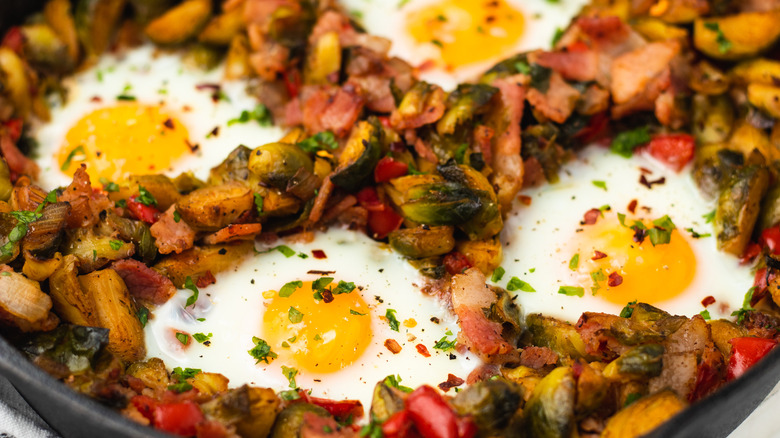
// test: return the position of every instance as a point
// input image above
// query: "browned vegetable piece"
(44, 50)
(94, 251)
(197, 261)
(159, 186)
(423, 241)
(486, 255)
(643, 416)
(770, 209)
(152, 372)
(556, 335)
(549, 412)
(708, 79)
(15, 83)
(209, 384)
(713, 118)
(39, 270)
(58, 15)
(386, 401)
(237, 61)
(724, 331)
(71, 302)
(290, 420)
(736, 36)
(212, 208)
(756, 71)
(738, 208)
(276, 163)
(23, 304)
(766, 98)
(221, 29)
(179, 23)
(45, 234)
(96, 21)
(250, 410)
(592, 389)
(116, 311)
(493, 404)
(324, 59)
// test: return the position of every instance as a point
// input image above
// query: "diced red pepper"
(746, 352)
(752, 250)
(596, 128)
(212, 429)
(770, 238)
(388, 168)
(577, 46)
(145, 405)
(292, 81)
(381, 223)
(14, 40)
(142, 212)
(368, 199)
(398, 425)
(341, 409)
(178, 418)
(431, 414)
(14, 128)
(466, 427)
(456, 263)
(674, 150)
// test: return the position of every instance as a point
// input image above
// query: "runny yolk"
(640, 271)
(122, 140)
(467, 31)
(328, 336)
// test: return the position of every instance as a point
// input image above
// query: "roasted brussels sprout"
(738, 208)
(324, 59)
(423, 241)
(556, 335)
(713, 117)
(463, 104)
(75, 348)
(15, 83)
(6, 188)
(550, 410)
(289, 421)
(93, 251)
(360, 156)
(59, 16)
(44, 49)
(221, 30)
(96, 21)
(250, 410)
(385, 402)
(642, 361)
(765, 98)
(152, 372)
(756, 71)
(491, 403)
(642, 416)
(487, 222)
(197, 261)
(443, 203)
(276, 163)
(215, 207)
(485, 255)
(179, 23)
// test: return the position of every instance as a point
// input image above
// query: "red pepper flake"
(319, 254)
(96, 99)
(316, 272)
(614, 280)
(649, 184)
(707, 301)
(205, 280)
(193, 147)
(186, 108)
(525, 200)
(168, 123)
(645, 170)
(452, 382)
(393, 346)
(591, 216)
(632, 206)
(598, 255)
(422, 349)
(214, 132)
(327, 295)
(751, 251)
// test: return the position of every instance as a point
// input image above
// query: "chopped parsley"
(709, 217)
(144, 197)
(261, 114)
(261, 351)
(288, 289)
(294, 315)
(557, 36)
(289, 395)
(284, 249)
(189, 284)
(259, 204)
(574, 263)
(724, 45)
(116, 244)
(631, 398)
(343, 288)
(437, 43)
(624, 143)
(705, 314)
(355, 312)
(395, 382)
(445, 344)
(600, 184)
(143, 315)
(628, 310)
(77, 150)
(518, 284)
(746, 307)
(498, 274)
(181, 376)
(290, 373)
(696, 235)
(392, 320)
(182, 337)
(23, 218)
(661, 233)
(571, 291)
(523, 67)
(176, 216)
(319, 141)
(201, 338)
(109, 186)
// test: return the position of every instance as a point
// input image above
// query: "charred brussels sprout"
(288, 423)
(487, 222)
(556, 335)
(770, 209)
(643, 415)
(250, 410)
(462, 104)
(491, 403)
(443, 203)
(643, 361)
(73, 346)
(6, 188)
(549, 412)
(646, 324)
(738, 207)
(359, 158)
(422, 241)
(713, 118)
(44, 49)
(95, 22)
(385, 402)
(276, 163)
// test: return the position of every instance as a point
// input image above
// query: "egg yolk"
(619, 269)
(122, 140)
(467, 31)
(318, 336)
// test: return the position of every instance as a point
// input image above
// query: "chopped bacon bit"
(422, 349)
(598, 255)
(538, 357)
(615, 280)
(319, 254)
(206, 279)
(96, 99)
(168, 123)
(525, 200)
(214, 132)
(452, 382)
(193, 147)
(456, 263)
(632, 206)
(393, 346)
(327, 295)
(591, 216)
(707, 301)
(649, 184)
(316, 272)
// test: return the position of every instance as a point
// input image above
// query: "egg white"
(387, 18)
(233, 311)
(535, 237)
(154, 78)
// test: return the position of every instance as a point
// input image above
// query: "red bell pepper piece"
(770, 238)
(341, 409)
(14, 128)
(381, 223)
(142, 212)
(178, 418)
(456, 263)
(674, 150)
(398, 425)
(14, 40)
(368, 199)
(752, 250)
(388, 168)
(292, 81)
(145, 405)
(746, 352)
(431, 414)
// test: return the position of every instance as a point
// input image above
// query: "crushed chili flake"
(193, 147)
(707, 301)
(598, 255)
(168, 123)
(316, 272)
(525, 200)
(632, 206)
(214, 132)
(96, 99)
(639, 235)
(452, 382)
(422, 349)
(186, 108)
(615, 280)
(591, 216)
(327, 295)
(205, 280)
(319, 254)
(649, 184)
(393, 346)
(645, 170)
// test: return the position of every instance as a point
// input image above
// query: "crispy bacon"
(424, 151)
(537, 357)
(17, 161)
(143, 282)
(632, 72)
(171, 236)
(579, 65)
(558, 102)
(233, 232)
(321, 201)
(315, 426)
(482, 138)
(86, 203)
(331, 109)
(505, 121)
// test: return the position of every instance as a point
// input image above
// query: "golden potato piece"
(180, 23)
(766, 98)
(736, 36)
(197, 261)
(643, 416)
(221, 30)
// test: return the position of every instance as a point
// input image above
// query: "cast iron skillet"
(74, 415)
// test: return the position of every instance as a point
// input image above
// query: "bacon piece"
(233, 232)
(171, 236)
(453, 381)
(632, 72)
(315, 426)
(425, 112)
(376, 91)
(645, 100)
(86, 204)
(332, 21)
(537, 357)
(17, 161)
(293, 113)
(332, 109)
(482, 138)
(580, 65)
(321, 201)
(424, 151)
(340, 207)
(505, 121)
(558, 102)
(594, 329)
(591, 216)
(207, 279)
(143, 282)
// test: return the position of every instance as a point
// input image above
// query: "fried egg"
(338, 349)
(145, 112)
(573, 266)
(456, 40)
